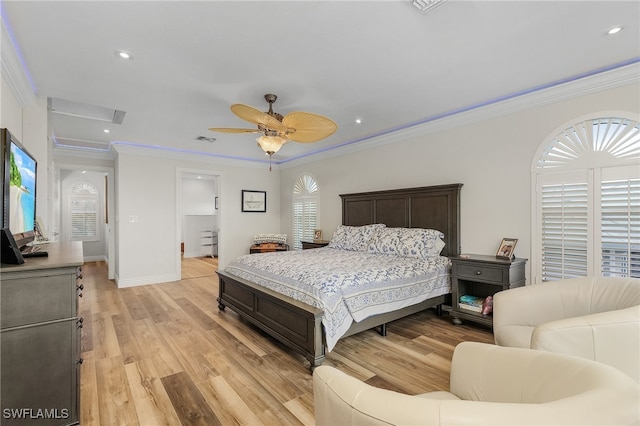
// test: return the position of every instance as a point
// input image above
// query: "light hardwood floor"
(164, 355)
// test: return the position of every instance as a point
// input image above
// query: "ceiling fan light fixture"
(276, 129)
(271, 144)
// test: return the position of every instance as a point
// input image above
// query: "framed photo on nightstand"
(505, 250)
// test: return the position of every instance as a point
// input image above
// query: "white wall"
(491, 158)
(10, 110)
(198, 196)
(149, 248)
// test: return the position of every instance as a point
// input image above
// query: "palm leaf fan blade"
(233, 130)
(256, 116)
(308, 127)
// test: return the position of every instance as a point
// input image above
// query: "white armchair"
(490, 385)
(597, 318)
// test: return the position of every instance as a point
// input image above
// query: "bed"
(266, 300)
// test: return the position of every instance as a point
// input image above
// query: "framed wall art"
(254, 201)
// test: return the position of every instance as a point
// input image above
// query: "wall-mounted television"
(19, 171)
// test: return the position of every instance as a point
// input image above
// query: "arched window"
(586, 212)
(306, 207)
(84, 207)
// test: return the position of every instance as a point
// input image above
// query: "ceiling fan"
(277, 129)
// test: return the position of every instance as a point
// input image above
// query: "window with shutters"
(84, 206)
(587, 201)
(306, 206)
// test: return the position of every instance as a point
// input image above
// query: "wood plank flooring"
(164, 355)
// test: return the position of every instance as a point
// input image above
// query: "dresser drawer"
(479, 273)
(34, 299)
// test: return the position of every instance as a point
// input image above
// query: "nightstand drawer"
(314, 244)
(480, 273)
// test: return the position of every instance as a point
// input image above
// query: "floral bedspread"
(347, 285)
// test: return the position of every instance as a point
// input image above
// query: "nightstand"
(482, 276)
(313, 244)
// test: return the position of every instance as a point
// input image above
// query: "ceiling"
(383, 62)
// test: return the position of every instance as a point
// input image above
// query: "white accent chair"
(597, 318)
(489, 385)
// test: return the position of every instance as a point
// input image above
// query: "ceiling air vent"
(80, 110)
(206, 139)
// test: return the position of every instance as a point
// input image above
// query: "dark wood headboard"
(432, 207)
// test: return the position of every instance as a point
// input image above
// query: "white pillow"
(407, 242)
(354, 238)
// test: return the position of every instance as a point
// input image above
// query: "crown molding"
(529, 99)
(13, 72)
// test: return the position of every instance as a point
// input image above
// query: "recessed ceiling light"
(615, 30)
(358, 121)
(107, 131)
(123, 54)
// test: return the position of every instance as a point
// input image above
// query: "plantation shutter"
(587, 206)
(565, 230)
(620, 227)
(298, 224)
(84, 218)
(305, 221)
(305, 209)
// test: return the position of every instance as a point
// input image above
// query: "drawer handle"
(80, 287)
(478, 272)
(80, 322)
(80, 361)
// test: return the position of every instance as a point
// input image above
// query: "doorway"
(198, 221)
(73, 182)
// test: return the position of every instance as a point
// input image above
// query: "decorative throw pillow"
(407, 242)
(270, 238)
(354, 238)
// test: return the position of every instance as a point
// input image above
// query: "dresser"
(481, 276)
(40, 338)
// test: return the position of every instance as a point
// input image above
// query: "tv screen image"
(22, 190)
(18, 171)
